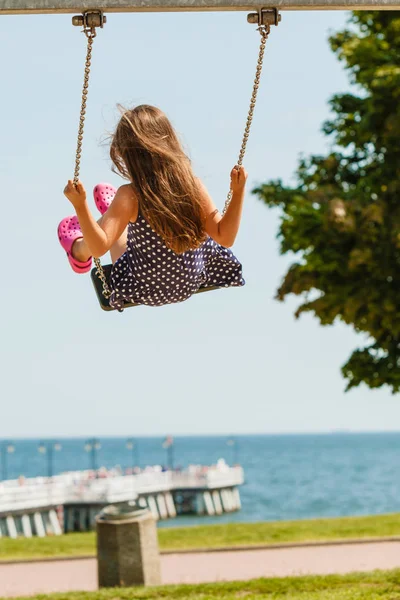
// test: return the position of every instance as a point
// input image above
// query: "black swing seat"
(105, 303)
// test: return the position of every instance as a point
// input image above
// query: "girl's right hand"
(238, 179)
(76, 195)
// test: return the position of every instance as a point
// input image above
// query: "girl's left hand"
(238, 179)
(76, 195)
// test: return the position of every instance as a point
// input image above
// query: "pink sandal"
(103, 195)
(68, 231)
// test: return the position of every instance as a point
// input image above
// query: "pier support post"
(39, 526)
(208, 503)
(236, 498)
(217, 502)
(228, 502)
(169, 501)
(26, 526)
(127, 547)
(152, 504)
(54, 522)
(12, 530)
(162, 506)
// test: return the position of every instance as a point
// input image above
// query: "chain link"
(102, 276)
(90, 33)
(264, 32)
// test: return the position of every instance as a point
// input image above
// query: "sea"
(287, 476)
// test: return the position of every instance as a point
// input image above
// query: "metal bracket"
(90, 20)
(265, 16)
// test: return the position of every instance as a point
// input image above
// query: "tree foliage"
(342, 220)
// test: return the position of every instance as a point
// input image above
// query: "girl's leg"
(80, 250)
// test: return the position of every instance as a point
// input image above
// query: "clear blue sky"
(228, 361)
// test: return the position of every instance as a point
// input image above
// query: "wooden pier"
(71, 501)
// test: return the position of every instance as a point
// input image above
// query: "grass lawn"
(214, 536)
(370, 586)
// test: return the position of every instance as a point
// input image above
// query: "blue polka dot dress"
(150, 273)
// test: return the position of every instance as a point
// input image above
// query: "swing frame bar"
(28, 7)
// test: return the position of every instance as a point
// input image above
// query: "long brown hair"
(146, 150)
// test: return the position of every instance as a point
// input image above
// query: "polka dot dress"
(150, 273)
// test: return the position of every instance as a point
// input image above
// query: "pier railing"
(82, 487)
(38, 496)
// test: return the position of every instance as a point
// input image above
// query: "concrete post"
(208, 503)
(39, 526)
(236, 496)
(127, 547)
(169, 501)
(12, 530)
(162, 506)
(26, 526)
(217, 502)
(151, 501)
(55, 523)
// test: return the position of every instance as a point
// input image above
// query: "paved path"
(23, 579)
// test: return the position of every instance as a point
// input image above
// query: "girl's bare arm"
(99, 237)
(224, 229)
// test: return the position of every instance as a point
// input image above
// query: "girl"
(165, 236)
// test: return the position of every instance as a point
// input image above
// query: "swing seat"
(105, 303)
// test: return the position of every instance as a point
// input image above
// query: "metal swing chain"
(264, 32)
(90, 33)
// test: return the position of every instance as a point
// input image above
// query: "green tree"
(342, 220)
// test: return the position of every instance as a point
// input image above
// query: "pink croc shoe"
(68, 231)
(103, 195)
